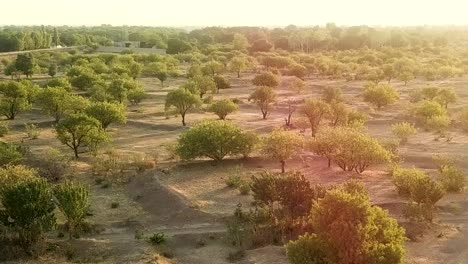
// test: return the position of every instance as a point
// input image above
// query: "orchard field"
(307, 125)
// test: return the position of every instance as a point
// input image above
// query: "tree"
(135, 96)
(338, 114)
(261, 45)
(158, 70)
(214, 140)
(332, 94)
(201, 85)
(240, 42)
(263, 96)
(176, 45)
(429, 92)
(135, 69)
(212, 68)
(349, 148)
(118, 91)
(75, 130)
(28, 208)
(52, 71)
(73, 202)
(183, 100)
(56, 102)
(388, 72)
(380, 95)
(446, 96)
(297, 85)
(266, 79)
(281, 145)
(56, 38)
(298, 70)
(221, 83)
(406, 77)
(9, 154)
(59, 82)
(403, 130)
(238, 64)
(353, 230)
(223, 107)
(25, 63)
(14, 99)
(315, 110)
(107, 113)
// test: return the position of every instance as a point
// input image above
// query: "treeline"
(290, 38)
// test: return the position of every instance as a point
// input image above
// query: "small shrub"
(30, 203)
(9, 154)
(452, 178)
(208, 99)
(4, 129)
(403, 131)
(307, 249)
(115, 205)
(139, 235)
(73, 202)
(244, 187)
(404, 179)
(32, 131)
(233, 181)
(53, 165)
(157, 238)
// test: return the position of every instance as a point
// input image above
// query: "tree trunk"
(183, 119)
(329, 162)
(75, 149)
(283, 164)
(264, 114)
(238, 74)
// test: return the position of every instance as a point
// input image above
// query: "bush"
(266, 79)
(426, 192)
(236, 255)
(380, 95)
(308, 249)
(221, 82)
(73, 202)
(281, 145)
(223, 107)
(332, 94)
(9, 154)
(452, 178)
(403, 130)
(244, 187)
(214, 140)
(4, 129)
(356, 231)
(53, 165)
(297, 85)
(30, 204)
(235, 178)
(157, 238)
(32, 131)
(404, 179)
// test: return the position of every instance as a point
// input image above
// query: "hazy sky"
(233, 13)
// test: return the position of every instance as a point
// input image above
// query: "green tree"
(238, 64)
(14, 99)
(264, 97)
(28, 209)
(266, 79)
(221, 83)
(281, 145)
(223, 107)
(332, 94)
(76, 130)
(52, 70)
(240, 42)
(73, 202)
(297, 70)
(214, 140)
(183, 100)
(380, 95)
(107, 113)
(297, 85)
(26, 64)
(308, 249)
(56, 102)
(446, 96)
(354, 230)
(315, 110)
(59, 82)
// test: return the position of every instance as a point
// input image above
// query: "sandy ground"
(188, 200)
